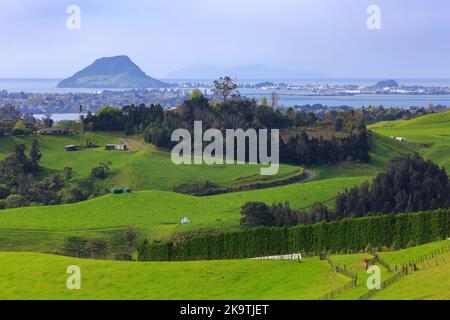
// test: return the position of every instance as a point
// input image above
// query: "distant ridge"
(112, 72)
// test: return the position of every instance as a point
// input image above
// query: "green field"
(156, 213)
(431, 283)
(37, 276)
(429, 134)
(140, 169)
(402, 257)
(40, 276)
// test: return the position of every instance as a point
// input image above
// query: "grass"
(37, 276)
(431, 283)
(156, 213)
(40, 276)
(143, 169)
(430, 135)
(402, 257)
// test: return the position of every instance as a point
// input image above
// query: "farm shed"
(117, 147)
(71, 148)
(121, 191)
(55, 132)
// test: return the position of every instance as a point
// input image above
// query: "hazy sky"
(323, 36)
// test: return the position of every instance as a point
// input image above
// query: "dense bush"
(411, 184)
(347, 235)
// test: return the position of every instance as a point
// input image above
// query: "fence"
(296, 256)
(412, 266)
(342, 269)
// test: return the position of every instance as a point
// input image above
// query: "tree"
(101, 171)
(274, 100)
(48, 122)
(4, 191)
(68, 173)
(9, 112)
(19, 128)
(15, 201)
(256, 214)
(35, 156)
(195, 95)
(225, 86)
(264, 102)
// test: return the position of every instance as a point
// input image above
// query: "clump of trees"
(24, 183)
(411, 184)
(20, 183)
(156, 125)
(304, 150)
(12, 121)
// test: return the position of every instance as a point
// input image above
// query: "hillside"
(430, 135)
(140, 169)
(157, 214)
(38, 276)
(111, 72)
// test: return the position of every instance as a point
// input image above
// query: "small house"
(55, 132)
(116, 147)
(71, 148)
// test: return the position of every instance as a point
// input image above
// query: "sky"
(327, 37)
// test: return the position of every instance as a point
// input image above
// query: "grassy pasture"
(143, 169)
(38, 276)
(402, 257)
(156, 213)
(430, 135)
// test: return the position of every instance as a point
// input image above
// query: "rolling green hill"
(430, 135)
(142, 169)
(156, 213)
(37, 276)
(40, 276)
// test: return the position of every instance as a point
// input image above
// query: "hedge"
(347, 235)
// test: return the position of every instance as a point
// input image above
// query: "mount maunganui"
(112, 72)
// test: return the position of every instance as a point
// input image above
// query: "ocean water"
(285, 98)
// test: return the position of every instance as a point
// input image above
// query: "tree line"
(348, 235)
(410, 184)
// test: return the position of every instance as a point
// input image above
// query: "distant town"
(51, 103)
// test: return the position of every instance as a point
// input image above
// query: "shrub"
(15, 201)
(19, 128)
(4, 191)
(411, 244)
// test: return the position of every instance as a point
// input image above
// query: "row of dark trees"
(411, 184)
(304, 150)
(348, 235)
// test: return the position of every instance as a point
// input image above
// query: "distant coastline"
(286, 98)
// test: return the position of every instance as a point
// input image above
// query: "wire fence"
(342, 269)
